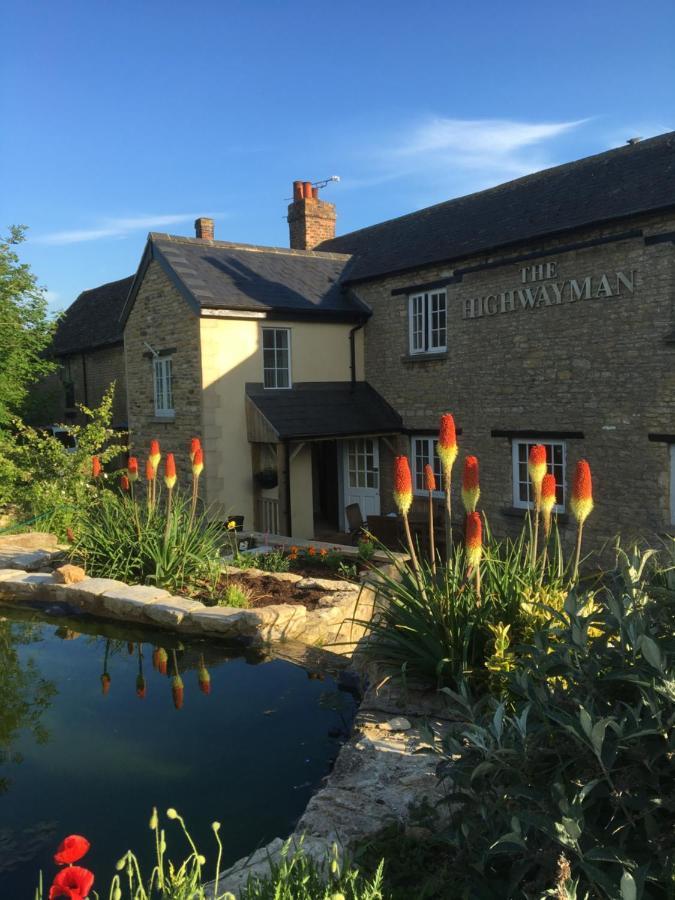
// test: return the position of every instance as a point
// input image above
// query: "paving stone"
(27, 584)
(172, 611)
(131, 600)
(326, 584)
(224, 620)
(26, 561)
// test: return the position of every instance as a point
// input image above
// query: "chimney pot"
(315, 193)
(310, 224)
(308, 190)
(204, 228)
(297, 190)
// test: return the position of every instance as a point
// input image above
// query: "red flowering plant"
(447, 450)
(72, 882)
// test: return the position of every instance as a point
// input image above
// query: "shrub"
(136, 543)
(235, 595)
(274, 561)
(578, 759)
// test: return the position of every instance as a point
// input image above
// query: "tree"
(25, 329)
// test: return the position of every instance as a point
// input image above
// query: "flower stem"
(432, 544)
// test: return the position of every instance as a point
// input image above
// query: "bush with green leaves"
(116, 537)
(573, 771)
(433, 628)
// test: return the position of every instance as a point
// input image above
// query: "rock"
(30, 540)
(398, 723)
(223, 620)
(172, 611)
(69, 574)
(131, 600)
(24, 584)
(326, 584)
(290, 577)
(27, 561)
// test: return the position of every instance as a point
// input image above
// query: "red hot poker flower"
(177, 691)
(124, 483)
(548, 499)
(141, 687)
(473, 539)
(195, 444)
(95, 467)
(150, 471)
(71, 849)
(197, 462)
(170, 471)
(429, 478)
(154, 454)
(582, 492)
(447, 441)
(105, 683)
(470, 484)
(73, 882)
(402, 485)
(132, 468)
(162, 661)
(204, 680)
(536, 465)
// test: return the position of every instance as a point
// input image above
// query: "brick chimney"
(310, 220)
(204, 229)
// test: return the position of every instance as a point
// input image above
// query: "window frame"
(421, 323)
(516, 443)
(162, 384)
(431, 441)
(275, 349)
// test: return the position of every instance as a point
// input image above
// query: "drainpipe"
(287, 479)
(352, 352)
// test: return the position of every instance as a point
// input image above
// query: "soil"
(268, 591)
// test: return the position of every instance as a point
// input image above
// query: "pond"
(94, 733)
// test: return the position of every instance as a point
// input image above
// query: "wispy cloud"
(474, 152)
(117, 228)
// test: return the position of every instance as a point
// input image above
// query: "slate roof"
(331, 409)
(93, 320)
(222, 275)
(618, 183)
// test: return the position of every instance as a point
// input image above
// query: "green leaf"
(628, 887)
(586, 721)
(651, 652)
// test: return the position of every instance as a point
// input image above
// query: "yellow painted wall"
(231, 355)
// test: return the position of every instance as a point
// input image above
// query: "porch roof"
(318, 410)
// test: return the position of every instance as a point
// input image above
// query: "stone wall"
(162, 319)
(601, 366)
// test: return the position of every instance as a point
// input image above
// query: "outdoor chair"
(355, 521)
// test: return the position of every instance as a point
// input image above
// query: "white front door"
(362, 475)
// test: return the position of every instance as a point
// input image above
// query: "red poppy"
(124, 483)
(536, 465)
(73, 882)
(132, 468)
(71, 849)
(105, 683)
(429, 478)
(470, 484)
(177, 691)
(447, 441)
(195, 444)
(473, 539)
(204, 680)
(141, 687)
(170, 471)
(582, 491)
(198, 462)
(402, 484)
(95, 467)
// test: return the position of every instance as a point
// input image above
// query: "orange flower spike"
(204, 680)
(548, 498)
(95, 467)
(403, 494)
(536, 466)
(470, 484)
(429, 478)
(105, 683)
(141, 687)
(195, 444)
(474, 539)
(177, 690)
(132, 468)
(170, 471)
(155, 454)
(197, 462)
(162, 661)
(124, 483)
(447, 441)
(149, 470)
(582, 492)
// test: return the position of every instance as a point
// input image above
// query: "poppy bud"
(124, 483)
(429, 478)
(95, 467)
(582, 492)
(447, 442)
(402, 484)
(536, 466)
(105, 683)
(470, 484)
(473, 539)
(198, 462)
(177, 691)
(154, 455)
(132, 468)
(141, 687)
(195, 444)
(170, 471)
(204, 680)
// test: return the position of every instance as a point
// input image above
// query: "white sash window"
(163, 377)
(427, 314)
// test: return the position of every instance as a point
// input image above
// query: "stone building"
(539, 311)
(89, 346)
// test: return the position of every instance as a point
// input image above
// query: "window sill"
(424, 357)
(517, 512)
(165, 419)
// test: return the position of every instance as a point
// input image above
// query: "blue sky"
(120, 118)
